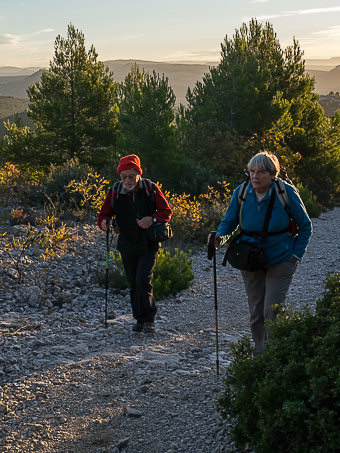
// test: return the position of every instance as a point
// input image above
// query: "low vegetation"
(172, 273)
(287, 399)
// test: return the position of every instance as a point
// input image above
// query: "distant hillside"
(320, 64)
(10, 106)
(326, 81)
(12, 71)
(181, 76)
(16, 86)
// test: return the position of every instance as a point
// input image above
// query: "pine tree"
(257, 88)
(74, 105)
(146, 121)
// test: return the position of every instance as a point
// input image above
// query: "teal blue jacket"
(280, 247)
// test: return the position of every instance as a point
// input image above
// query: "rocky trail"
(68, 384)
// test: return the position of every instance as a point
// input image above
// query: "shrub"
(54, 237)
(18, 187)
(10, 177)
(287, 399)
(313, 208)
(172, 274)
(194, 217)
(117, 276)
(91, 190)
(57, 180)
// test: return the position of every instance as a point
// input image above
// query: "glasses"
(131, 177)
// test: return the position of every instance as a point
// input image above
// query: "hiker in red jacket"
(135, 204)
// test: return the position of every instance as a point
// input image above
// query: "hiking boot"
(149, 327)
(138, 327)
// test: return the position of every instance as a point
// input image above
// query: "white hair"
(265, 161)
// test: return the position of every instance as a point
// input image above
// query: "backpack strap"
(242, 194)
(243, 191)
(282, 195)
(264, 233)
(115, 191)
(149, 187)
(268, 217)
(281, 192)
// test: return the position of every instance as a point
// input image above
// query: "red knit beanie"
(129, 162)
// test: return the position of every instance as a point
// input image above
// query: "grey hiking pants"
(265, 289)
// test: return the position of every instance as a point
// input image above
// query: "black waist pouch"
(245, 256)
(160, 232)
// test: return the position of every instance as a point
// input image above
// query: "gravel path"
(67, 384)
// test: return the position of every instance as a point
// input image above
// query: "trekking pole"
(212, 255)
(107, 267)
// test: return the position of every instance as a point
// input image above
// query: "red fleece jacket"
(163, 211)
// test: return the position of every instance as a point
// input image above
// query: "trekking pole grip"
(211, 245)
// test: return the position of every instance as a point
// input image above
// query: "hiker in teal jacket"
(283, 247)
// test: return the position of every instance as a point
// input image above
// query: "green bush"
(287, 399)
(117, 277)
(172, 274)
(58, 178)
(313, 208)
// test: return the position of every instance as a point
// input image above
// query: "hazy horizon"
(324, 62)
(190, 31)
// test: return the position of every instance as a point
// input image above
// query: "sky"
(160, 30)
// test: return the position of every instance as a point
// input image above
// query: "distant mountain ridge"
(326, 81)
(180, 75)
(16, 86)
(13, 71)
(317, 64)
(322, 64)
(15, 81)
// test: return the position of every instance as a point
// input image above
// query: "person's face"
(261, 180)
(129, 179)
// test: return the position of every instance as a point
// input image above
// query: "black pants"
(139, 271)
